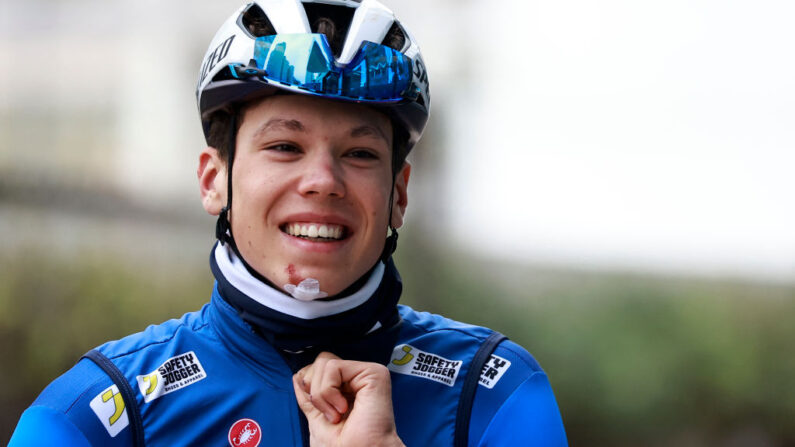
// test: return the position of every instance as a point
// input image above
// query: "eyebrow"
(274, 124)
(368, 131)
(279, 123)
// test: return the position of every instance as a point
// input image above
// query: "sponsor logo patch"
(493, 370)
(109, 408)
(411, 361)
(174, 374)
(245, 432)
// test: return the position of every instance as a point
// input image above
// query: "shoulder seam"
(85, 390)
(67, 418)
(428, 331)
(171, 337)
(520, 356)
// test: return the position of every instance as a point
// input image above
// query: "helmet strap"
(391, 241)
(223, 228)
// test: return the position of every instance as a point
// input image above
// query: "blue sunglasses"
(305, 62)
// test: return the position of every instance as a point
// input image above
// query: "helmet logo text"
(215, 57)
(421, 75)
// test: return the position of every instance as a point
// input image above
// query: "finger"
(331, 385)
(329, 381)
(371, 378)
(311, 371)
(325, 387)
(308, 372)
(305, 401)
(300, 379)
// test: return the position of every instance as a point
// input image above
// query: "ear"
(400, 197)
(212, 180)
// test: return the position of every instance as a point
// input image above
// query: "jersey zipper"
(304, 428)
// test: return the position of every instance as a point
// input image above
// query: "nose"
(321, 176)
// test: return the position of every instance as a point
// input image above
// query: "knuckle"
(328, 393)
(380, 371)
(334, 363)
(308, 408)
(325, 355)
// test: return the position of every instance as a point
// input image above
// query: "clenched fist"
(346, 403)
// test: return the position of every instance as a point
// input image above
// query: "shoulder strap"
(467, 398)
(126, 393)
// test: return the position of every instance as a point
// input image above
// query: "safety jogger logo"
(109, 408)
(175, 373)
(409, 360)
(493, 370)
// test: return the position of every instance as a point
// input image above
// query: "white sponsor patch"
(174, 374)
(409, 360)
(493, 370)
(109, 408)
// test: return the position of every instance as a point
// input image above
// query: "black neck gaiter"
(366, 332)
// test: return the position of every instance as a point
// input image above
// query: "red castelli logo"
(245, 432)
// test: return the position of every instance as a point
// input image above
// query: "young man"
(309, 109)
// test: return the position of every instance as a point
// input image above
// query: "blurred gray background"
(607, 183)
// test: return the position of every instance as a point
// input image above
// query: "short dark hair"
(218, 135)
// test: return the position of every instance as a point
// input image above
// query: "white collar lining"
(238, 276)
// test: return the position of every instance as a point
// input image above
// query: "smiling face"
(311, 184)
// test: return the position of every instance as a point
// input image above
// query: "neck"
(293, 325)
(235, 272)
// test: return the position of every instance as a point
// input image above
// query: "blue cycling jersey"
(211, 378)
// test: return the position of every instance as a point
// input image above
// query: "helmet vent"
(421, 101)
(223, 75)
(331, 20)
(395, 38)
(256, 22)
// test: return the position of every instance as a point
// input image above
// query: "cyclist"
(309, 109)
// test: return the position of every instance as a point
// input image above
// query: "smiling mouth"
(316, 232)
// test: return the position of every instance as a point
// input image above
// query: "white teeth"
(325, 231)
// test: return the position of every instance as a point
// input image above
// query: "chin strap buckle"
(222, 227)
(390, 245)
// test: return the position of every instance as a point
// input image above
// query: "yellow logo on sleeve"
(407, 359)
(110, 409)
(174, 374)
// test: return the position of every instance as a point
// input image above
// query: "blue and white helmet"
(272, 45)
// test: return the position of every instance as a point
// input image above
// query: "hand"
(346, 403)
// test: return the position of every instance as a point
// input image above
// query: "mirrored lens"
(378, 72)
(305, 61)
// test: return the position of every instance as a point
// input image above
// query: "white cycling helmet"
(283, 45)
